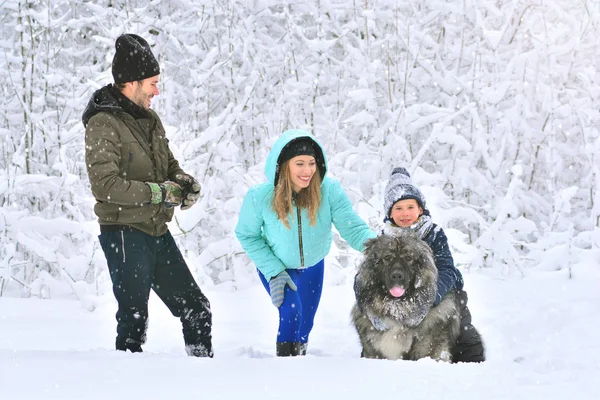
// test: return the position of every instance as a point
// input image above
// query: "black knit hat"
(299, 147)
(133, 59)
(401, 187)
(302, 146)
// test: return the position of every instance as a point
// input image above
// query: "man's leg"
(174, 284)
(469, 346)
(131, 264)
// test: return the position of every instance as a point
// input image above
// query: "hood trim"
(271, 165)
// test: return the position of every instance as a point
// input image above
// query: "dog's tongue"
(397, 291)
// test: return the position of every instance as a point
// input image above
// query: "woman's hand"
(277, 287)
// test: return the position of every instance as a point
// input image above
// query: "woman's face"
(406, 212)
(302, 169)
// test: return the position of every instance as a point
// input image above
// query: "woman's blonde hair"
(309, 198)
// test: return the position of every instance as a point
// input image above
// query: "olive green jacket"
(122, 152)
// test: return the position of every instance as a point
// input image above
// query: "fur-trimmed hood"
(110, 99)
(272, 163)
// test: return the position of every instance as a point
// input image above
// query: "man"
(137, 183)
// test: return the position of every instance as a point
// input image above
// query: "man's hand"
(168, 193)
(172, 193)
(191, 190)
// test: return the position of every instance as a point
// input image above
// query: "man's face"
(144, 91)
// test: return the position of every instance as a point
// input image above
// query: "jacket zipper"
(300, 237)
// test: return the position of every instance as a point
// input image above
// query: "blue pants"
(137, 263)
(297, 313)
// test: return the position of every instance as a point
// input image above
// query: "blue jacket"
(448, 275)
(272, 246)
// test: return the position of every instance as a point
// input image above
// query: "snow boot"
(128, 344)
(302, 349)
(198, 350)
(287, 349)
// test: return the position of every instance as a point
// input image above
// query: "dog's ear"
(374, 248)
(369, 243)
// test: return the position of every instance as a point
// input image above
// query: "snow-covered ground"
(541, 334)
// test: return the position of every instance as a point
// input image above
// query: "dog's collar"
(377, 322)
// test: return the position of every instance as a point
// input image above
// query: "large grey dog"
(395, 289)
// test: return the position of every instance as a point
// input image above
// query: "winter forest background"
(493, 105)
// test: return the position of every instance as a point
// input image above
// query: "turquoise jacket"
(272, 246)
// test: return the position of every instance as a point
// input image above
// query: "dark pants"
(138, 262)
(469, 346)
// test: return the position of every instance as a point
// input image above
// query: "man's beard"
(140, 98)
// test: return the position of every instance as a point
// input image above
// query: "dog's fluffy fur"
(395, 289)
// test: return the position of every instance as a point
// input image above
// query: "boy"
(405, 209)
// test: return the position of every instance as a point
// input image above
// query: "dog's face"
(397, 262)
(395, 277)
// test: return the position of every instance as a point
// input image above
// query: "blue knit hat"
(401, 187)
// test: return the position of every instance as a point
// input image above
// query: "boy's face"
(405, 212)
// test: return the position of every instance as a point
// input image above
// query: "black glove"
(191, 190)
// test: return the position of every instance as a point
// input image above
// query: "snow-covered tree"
(492, 105)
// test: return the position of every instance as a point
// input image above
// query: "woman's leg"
(310, 286)
(290, 312)
(297, 312)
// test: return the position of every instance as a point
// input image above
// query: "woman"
(285, 228)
